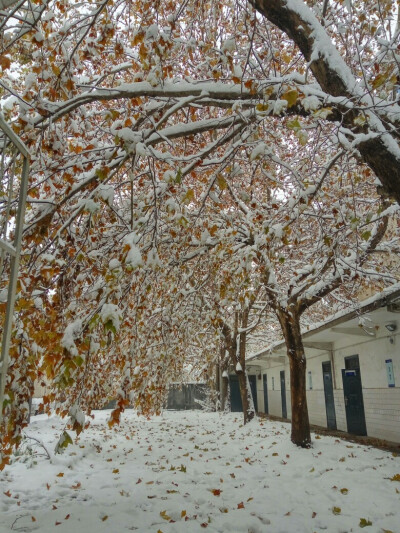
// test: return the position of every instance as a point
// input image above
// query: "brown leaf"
(5, 62)
(33, 519)
(104, 518)
(240, 505)
(61, 474)
(8, 493)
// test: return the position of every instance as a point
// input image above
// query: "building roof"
(328, 331)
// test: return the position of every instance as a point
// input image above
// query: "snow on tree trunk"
(379, 148)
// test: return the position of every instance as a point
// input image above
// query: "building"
(353, 371)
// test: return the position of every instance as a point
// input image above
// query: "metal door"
(329, 397)
(236, 400)
(283, 394)
(353, 399)
(253, 388)
(265, 388)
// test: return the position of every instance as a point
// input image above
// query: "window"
(309, 380)
(273, 383)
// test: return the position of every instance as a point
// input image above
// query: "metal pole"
(14, 261)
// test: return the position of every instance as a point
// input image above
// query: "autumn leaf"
(291, 97)
(164, 515)
(344, 491)
(5, 62)
(33, 519)
(115, 471)
(104, 518)
(336, 510)
(364, 522)
(396, 477)
(183, 514)
(60, 474)
(216, 492)
(8, 493)
(240, 505)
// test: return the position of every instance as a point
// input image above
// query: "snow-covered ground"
(190, 471)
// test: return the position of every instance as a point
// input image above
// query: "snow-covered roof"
(378, 300)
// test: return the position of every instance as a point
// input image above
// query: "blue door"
(329, 397)
(283, 394)
(236, 399)
(265, 388)
(353, 396)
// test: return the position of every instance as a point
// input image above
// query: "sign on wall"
(389, 372)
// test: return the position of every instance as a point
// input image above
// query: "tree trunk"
(237, 355)
(224, 393)
(290, 324)
(248, 406)
(248, 410)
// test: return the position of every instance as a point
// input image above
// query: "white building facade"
(353, 372)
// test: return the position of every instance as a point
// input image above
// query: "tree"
(372, 123)
(133, 112)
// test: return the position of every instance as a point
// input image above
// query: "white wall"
(381, 403)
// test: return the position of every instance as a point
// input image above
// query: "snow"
(190, 471)
(111, 313)
(72, 332)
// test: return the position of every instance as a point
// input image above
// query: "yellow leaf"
(221, 182)
(336, 510)
(164, 515)
(183, 514)
(116, 471)
(61, 474)
(291, 97)
(396, 477)
(379, 80)
(364, 522)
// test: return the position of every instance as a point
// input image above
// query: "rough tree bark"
(290, 324)
(237, 354)
(380, 151)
